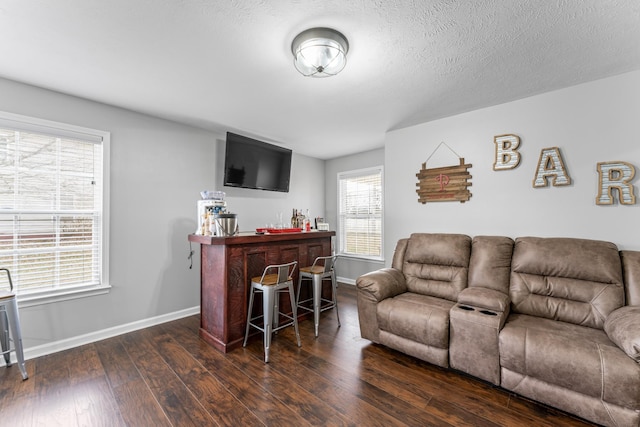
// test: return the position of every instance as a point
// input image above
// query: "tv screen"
(250, 163)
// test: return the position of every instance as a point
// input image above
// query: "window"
(52, 208)
(360, 213)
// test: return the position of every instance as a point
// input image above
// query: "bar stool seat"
(271, 285)
(10, 327)
(322, 269)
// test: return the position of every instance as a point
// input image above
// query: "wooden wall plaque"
(444, 184)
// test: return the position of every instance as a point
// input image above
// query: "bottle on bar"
(300, 219)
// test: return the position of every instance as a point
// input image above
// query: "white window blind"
(51, 205)
(360, 213)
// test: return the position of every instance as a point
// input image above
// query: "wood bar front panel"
(227, 266)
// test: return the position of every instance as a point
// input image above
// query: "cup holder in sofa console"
(488, 313)
(474, 331)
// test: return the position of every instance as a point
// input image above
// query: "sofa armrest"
(623, 328)
(485, 298)
(382, 284)
(372, 288)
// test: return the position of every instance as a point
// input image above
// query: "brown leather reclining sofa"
(556, 320)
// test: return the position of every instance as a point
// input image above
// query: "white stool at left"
(10, 327)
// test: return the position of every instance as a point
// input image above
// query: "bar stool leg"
(267, 307)
(276, 309)
(334, 286)
(294, 309)
(317, 299)
(299, 286)
(4, 337)
(246, 332)
(14, 325)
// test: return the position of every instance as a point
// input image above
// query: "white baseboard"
(54, 347)
(346, 280)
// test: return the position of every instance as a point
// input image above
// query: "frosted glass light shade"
(319, 52)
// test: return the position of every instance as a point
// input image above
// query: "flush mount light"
(319, 52)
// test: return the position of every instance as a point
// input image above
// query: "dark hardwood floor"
(166, 376)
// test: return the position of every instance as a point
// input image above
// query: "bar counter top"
(248, 237)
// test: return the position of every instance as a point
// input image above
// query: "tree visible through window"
(51, 205)
(360, 213)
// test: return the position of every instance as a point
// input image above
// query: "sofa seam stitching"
(602, 377)
(526, 338)
(601, 372)
(594, 307)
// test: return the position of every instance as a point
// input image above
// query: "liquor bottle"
(294, 219)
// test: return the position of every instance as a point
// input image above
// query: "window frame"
(340, 216)
(33, 124)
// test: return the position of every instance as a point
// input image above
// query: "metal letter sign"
(507, 155)
(615, 175)
(551, 166)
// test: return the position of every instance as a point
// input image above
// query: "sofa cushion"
(573, 280)
(577, 358)
(398, 254)
(623, 328)
(490, 263)
(437, 264)
(417, 317)
(631, 271)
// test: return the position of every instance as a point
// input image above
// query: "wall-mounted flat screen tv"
(250, 163)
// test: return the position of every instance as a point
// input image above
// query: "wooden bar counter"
(227, 265)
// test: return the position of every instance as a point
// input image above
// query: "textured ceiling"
(227, 65)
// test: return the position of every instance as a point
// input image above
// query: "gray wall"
(348, 269)
(590, 123)
(158, 168)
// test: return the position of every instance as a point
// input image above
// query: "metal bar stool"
(271, 285)
(10, 322)
(322, 269)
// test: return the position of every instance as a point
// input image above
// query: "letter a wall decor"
(551, 166)
(444, 184)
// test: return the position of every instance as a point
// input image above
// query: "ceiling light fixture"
(319, 52)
